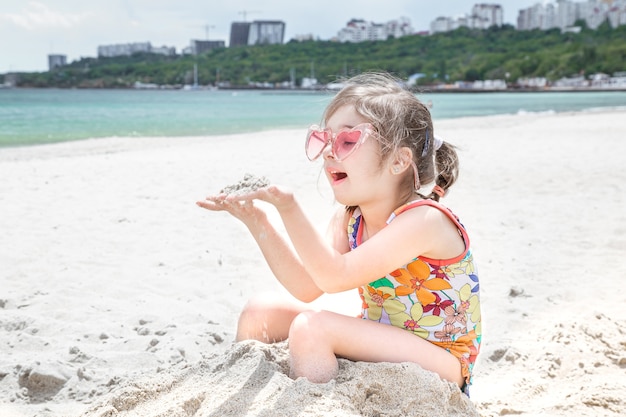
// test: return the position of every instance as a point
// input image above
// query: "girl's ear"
(402, 161)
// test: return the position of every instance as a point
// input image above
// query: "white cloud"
(38, 16)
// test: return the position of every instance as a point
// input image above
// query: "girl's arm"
(415, 232)
(282, 260)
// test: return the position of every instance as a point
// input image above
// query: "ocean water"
(36, 116)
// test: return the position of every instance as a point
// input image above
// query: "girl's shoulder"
(432, 227)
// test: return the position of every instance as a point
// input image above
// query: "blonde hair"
(401, 120)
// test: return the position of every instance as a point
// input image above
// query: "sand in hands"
(248, 184)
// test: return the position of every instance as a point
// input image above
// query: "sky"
(30, 30)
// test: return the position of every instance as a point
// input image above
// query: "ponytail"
(447, 166)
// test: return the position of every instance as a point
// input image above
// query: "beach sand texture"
(119, 296)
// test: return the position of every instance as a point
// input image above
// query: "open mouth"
(337, 176)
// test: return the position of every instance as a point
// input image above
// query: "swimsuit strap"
(448, 213)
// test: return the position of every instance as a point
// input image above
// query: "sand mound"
(251, 380)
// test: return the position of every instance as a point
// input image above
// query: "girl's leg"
(316, 338)
(267, 318)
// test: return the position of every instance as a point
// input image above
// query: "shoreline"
(298, 90)
(520, 113)
(118, 295)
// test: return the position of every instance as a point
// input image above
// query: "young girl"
(408, 256)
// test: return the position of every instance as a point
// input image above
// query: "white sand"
(119, 297)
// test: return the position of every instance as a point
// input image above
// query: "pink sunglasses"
(342, 143)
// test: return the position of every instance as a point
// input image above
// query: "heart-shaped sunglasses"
(342, 144)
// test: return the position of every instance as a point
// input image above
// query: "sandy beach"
(119, 296)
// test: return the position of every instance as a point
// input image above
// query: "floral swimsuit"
(435, 299)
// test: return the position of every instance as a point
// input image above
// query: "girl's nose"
(327, 153)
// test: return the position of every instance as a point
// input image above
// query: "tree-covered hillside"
(461, 55)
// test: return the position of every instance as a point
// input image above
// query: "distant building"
(617, 13)
(359, 30)
(10, 80)
(399, 28)
(197, 47)
(128, 49)
(304, 37)
(163, 50)
(483, 16)
(266, 32)
(565, 13)
(443, 24)
(258, 32)
(486, 15)
(536, 18)
(56, 61)
(239, 32)
(123, 49)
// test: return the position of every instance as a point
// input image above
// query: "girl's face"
(356, 178)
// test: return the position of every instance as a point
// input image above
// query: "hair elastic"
(439, 191)
(437, 142)
(426, 143)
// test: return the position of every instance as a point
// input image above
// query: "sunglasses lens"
(346, 142)
(315, 143)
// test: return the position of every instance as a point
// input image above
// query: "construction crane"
(207, 28)
(244, 13)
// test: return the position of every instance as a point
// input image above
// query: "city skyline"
(29, 31)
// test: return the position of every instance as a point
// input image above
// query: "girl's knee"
(260, 307)
(311, 352)
(253, 319)
(266, 318)
(250, 309)
(307, 326)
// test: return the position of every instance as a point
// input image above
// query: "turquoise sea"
(36, 116)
